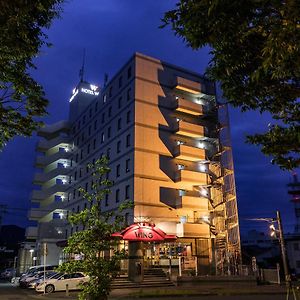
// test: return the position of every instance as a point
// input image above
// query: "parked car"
(39, 278)
(59, 283)
(30, 275)
(8, 273)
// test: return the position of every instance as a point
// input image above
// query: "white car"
(60, 282)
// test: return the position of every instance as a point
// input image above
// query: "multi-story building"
(168, 142)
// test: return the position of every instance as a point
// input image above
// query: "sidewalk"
(203, 290)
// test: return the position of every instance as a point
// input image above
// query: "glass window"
(127, 192)
(128, 116)
(95, 125)
(120, 102)
(109, 112)
(118, 146)
(103, 118)
(108, 132)
(119, 123)
(129, 72)
(106, 200)
(120, 81)
(118, 170)
(117, 195)
(128, 94)
(127, 165)
(128, 140)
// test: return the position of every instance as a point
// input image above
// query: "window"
(88, 148)
(94, 144)
(128, 115)
(82, 137)
(90, 112)
(118, 146)
(110, 91)
(109, 112)
(104, 98)
(74, 194)
(86, 186)
(83, 120)
(120, 81)
(81, 154)
(90, 130)
(75, 175)
(108, 153)
(108, 132)
(77, 142)
(80, 172)
(129, 72)
(102, 137)
(103, 118)
(128, 94)
(120, 102)
(95, 125)
(117, 195)
(296, 246)
(106, 200)
(96, 106)
(78, 208)
(119, 123)
(118, 170)
(78, 125)
(127, 165)
(76, 158)
(128, 140)
(127, 191)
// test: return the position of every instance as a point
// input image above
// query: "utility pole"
(282, 248)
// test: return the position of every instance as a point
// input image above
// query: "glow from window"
(205, 218)
(202, 168)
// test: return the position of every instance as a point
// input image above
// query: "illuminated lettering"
(143, 235)
(90, 92)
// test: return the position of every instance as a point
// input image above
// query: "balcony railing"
(43, 194)
(193, 230)
(40, 178)
(189, 107)
(190, 129)
(187, 85)
(189, 153)
(44, 145)
(53, 130)
(42, 161)
(195, 177)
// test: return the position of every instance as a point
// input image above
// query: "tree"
(94, 241)
(22, 99)
(255, 48)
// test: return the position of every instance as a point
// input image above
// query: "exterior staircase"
(153, 277)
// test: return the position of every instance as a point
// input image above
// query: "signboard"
(143, 232)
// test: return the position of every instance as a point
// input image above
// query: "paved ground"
(12, 292)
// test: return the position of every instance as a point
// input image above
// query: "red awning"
(144, 232)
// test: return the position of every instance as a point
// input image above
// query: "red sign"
(143, 232)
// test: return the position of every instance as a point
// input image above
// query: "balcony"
(189, 176)
(190, 130)
(51, 131)
(192, 230)
(36, 214)
(31, 232)
(44, 145)
(37, 196)
(198, 203)
(187, 85)
(52, 230)
(189, 107)
(40, 178)
(189, 153)
(42, 161)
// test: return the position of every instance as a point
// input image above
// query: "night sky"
(111, 31)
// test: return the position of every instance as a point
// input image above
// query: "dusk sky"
(111, 31)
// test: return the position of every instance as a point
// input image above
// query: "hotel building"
(168, 142)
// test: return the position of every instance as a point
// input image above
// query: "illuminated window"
(104, 98)
(102, 137)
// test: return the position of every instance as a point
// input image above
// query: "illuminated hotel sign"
(144, 232)
(92, 90)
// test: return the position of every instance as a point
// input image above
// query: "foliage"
(255, 57)
(21, 38)
(94, 241)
